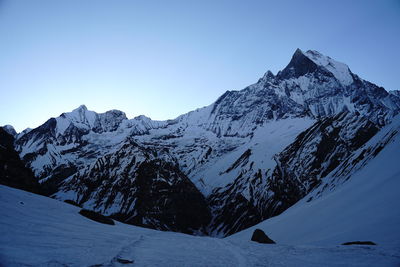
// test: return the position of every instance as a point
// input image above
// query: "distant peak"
(142, 118)
(268, 76)
(10, 129)
(298, 66)
(82, 107)
(116, 113)
(298, 51)
(307, 62)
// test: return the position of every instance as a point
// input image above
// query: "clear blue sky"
(165, 58)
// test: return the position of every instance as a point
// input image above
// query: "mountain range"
(219, 169)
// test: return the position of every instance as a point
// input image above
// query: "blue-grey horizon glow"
(163, 59)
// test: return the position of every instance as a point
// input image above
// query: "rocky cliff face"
(12, 170)
(218, 169)
(141, 186)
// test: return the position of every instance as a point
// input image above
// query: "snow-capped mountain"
(248, 156)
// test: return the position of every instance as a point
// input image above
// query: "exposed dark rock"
(51, 186)
(369, 243)
(363, 134)
(124, 261)
(167, 199)
(260, 237)
(244, 158)
(9, 129)
(298, 66)
(13, 172)
(150, 192)
(94, 216)
(231, 211)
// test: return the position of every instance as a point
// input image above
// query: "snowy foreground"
(39, 231)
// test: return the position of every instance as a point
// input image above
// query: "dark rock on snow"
(124, 261)
(260, 237)
(369, 243)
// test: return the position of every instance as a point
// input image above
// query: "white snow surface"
(81, 117)
(365, 208)
(39, 231)
(267, 141)
(339, 70)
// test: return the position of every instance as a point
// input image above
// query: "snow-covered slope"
(341, 71)
(357, 201)
(245, 152)
(39, 231)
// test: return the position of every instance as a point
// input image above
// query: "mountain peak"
(81, 107)
(115, 113)
(10, 129)
(298, 51)
(80, 114)
(299, 65)
(308, 62)
(142, 118)
(268, 75)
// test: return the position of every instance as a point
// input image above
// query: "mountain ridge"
(242, 152)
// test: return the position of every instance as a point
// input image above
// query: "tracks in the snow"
(124, 256)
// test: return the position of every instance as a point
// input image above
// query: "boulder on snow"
(260, 237)
(370, 243)
(96, 216)
(124, 261)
